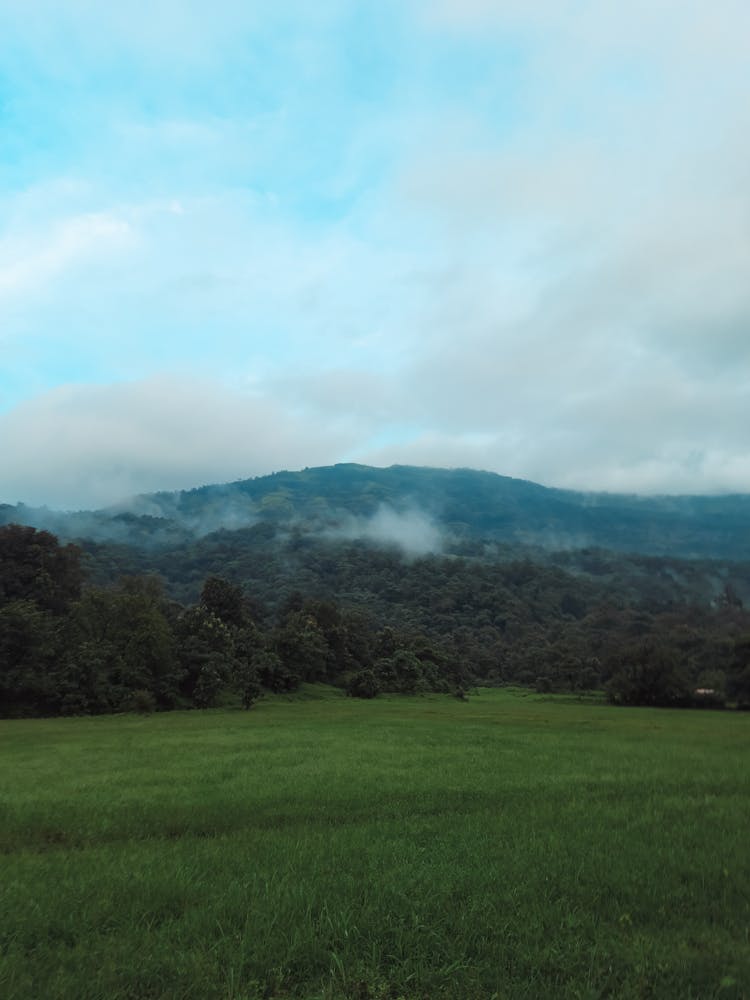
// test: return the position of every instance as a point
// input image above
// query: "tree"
(302, 647)
(401, 672)
(649, 674)
(273, 673)
(363, 684)
(126, 632)
(248, 644)
(223, 599)
(38, 581)
(29, 650)
(91, 679)
(35, 567)
(738, 681)
(206, 654)
(249, 683)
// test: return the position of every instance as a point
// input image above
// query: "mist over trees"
(94, 629)
(420, 510)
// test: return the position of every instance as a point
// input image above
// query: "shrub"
(650, 674)
(143, 702)
(363, 684)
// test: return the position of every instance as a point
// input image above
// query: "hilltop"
(385, 579)
(440, 508)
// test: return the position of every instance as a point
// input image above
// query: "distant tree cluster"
(66, 649)
(378, 623)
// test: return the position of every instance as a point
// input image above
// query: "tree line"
(66, 648)
(363, 618)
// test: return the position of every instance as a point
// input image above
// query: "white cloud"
(547, 277)
(411, 530)
(85, 446)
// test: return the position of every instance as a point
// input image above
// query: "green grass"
(513, 846)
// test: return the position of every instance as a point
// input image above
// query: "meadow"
(510, 846)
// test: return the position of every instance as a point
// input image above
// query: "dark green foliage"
(30, 645)
(35, 567)
(224, 600)
(407, 672)
(208, 684)
(739, 688)
(127, 632)
(738, 682)
(249, 684)
(93, 678)
(39, 579)
(268, 607)
(650, 674)
(364, 684)
(273, 673)
(205, 652)
(481, 514)
(498, 619)
(473, 506)
(403, 673)
(143, 702)
(248, 645)
(301, 645)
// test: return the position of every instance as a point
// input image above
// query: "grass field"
(512, 846)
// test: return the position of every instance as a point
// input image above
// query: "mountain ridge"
(462, 503)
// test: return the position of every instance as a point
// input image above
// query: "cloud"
(411, 530)
(483, 233)
(83, 446)
(591, 328)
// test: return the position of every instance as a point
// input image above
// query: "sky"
(247, 236)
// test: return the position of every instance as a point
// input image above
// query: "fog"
(411, 530)
(164, 519)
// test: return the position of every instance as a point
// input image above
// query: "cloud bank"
(412, 530)
(488, 233)
(90, 447)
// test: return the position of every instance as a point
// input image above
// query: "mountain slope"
(462, 504)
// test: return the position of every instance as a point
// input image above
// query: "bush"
(207, 686)
(143, 702)
(363, 684)
(650, 674)
(251, 689)
(273, 673)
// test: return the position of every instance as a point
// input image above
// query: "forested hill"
(440, 508)
(395, 579)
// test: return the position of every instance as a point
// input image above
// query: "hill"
(375, 579)
(420, 508)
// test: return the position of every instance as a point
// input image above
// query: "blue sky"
(247, 236)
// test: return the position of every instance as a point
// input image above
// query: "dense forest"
(104, 627)
(459, 505)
